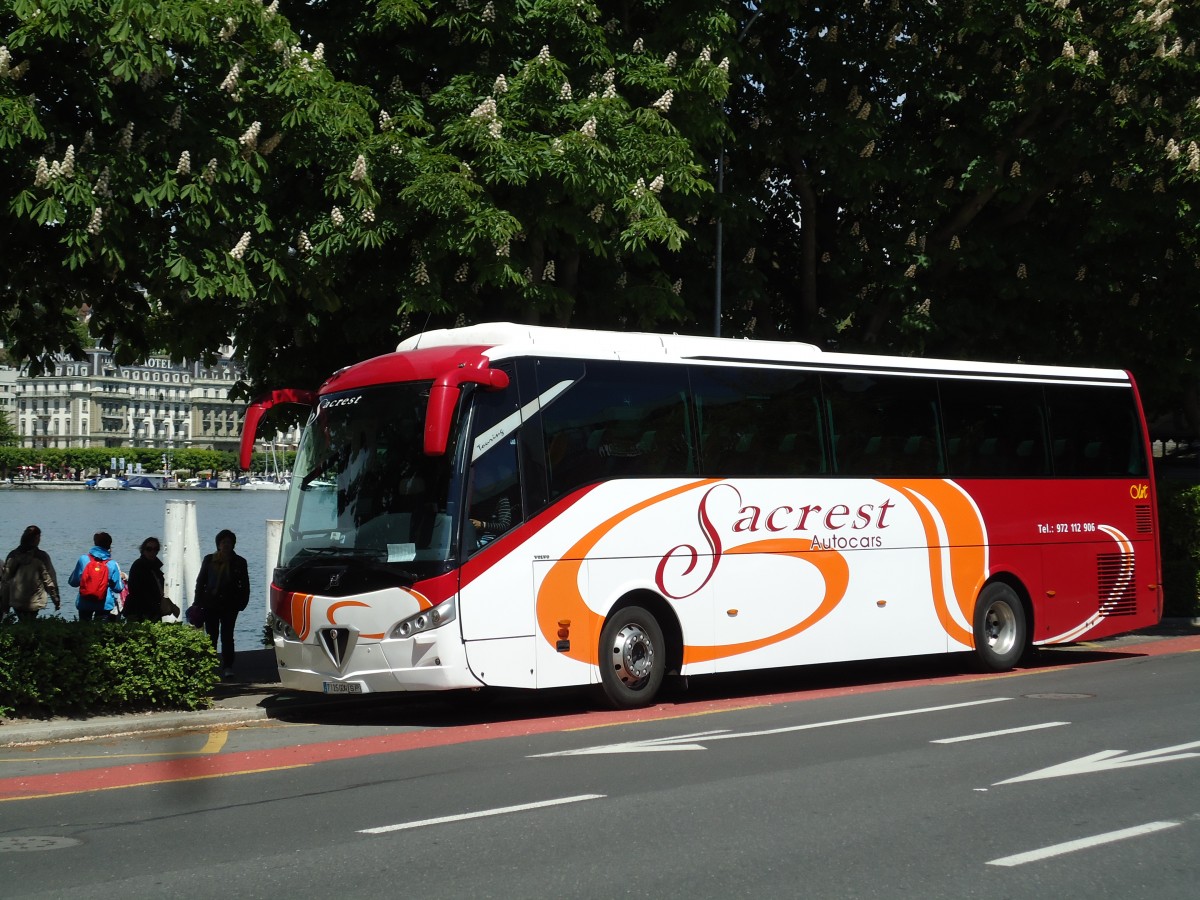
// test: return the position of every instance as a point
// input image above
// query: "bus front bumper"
(428, 662)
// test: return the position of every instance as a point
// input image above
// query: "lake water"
(69, 518)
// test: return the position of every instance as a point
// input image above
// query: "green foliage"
(92, 459)
(8, 434)
(351, 174)
(54, 667)
(971, 179)
(1007, 179)
(1179, 525)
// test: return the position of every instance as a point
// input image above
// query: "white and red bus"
(502, 505)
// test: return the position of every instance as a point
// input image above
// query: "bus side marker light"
(881, 603)
(1050, 593)
(732, 613)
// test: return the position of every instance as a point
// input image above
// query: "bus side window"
(993, 429)
(494, 497)
(885, 425)
(616, 420)
(1096, 432)
(761, 423)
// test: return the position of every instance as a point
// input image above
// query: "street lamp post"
(720, 254)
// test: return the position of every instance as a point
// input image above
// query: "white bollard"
(182, 547)
(274, 538)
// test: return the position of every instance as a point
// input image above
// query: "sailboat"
(273, 480)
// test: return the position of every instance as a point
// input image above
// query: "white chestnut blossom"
(231, 79)
(97, 219)
(336, 215)
(663, 103)
(184, 166)
(359, 172)
(249, 138)
(239, 249)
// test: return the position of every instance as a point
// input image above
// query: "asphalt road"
(1079, 778)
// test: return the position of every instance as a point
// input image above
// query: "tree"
(193, 177)
(159, 159)
(1009, 179)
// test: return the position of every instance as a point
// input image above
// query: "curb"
(61, 731)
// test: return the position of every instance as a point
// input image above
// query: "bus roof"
(506, 339)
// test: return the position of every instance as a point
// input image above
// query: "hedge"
(1179, 530)
(54, 667)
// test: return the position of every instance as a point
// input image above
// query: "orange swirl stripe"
(833, 568)
(966, 550)
(559, 597)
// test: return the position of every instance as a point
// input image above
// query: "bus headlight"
(425, 620)
(280, 627)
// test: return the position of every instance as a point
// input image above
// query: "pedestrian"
(27, 581)
(100, 585)
(145, 600)
(223, 591)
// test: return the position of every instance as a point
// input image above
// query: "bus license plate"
(342, 687)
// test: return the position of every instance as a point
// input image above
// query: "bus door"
(495, 605)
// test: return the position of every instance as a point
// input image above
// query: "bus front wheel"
(1000, 631)
(632, 658)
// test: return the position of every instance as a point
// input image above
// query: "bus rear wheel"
(1000, 629)
(632, 658)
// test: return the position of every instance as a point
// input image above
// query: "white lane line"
(1082, 844)
(992, 734)
(483, 813)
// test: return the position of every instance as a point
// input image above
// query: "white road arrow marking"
(688, 741)
(1106, 760)
(679, 742)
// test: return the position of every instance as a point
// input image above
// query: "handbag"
(195, 615)
(167, 607)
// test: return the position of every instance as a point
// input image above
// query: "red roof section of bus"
(413, 365)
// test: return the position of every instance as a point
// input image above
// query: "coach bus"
(502, 505)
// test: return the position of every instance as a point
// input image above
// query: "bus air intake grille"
(1145, 523)
(1116, 586)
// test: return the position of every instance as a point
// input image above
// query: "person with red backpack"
(98, 578)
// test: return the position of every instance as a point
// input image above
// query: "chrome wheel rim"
(1000, 628)
(633, 655)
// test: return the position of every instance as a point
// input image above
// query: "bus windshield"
(363, 489)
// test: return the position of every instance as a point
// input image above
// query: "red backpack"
(93, 582)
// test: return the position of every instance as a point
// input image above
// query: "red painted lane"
(251, 761)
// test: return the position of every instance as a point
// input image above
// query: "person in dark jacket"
(223, 591)
(144, 603)
(27, 579)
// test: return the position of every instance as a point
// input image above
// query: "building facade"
(97, 402)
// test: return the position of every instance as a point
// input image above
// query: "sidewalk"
(254, 694)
